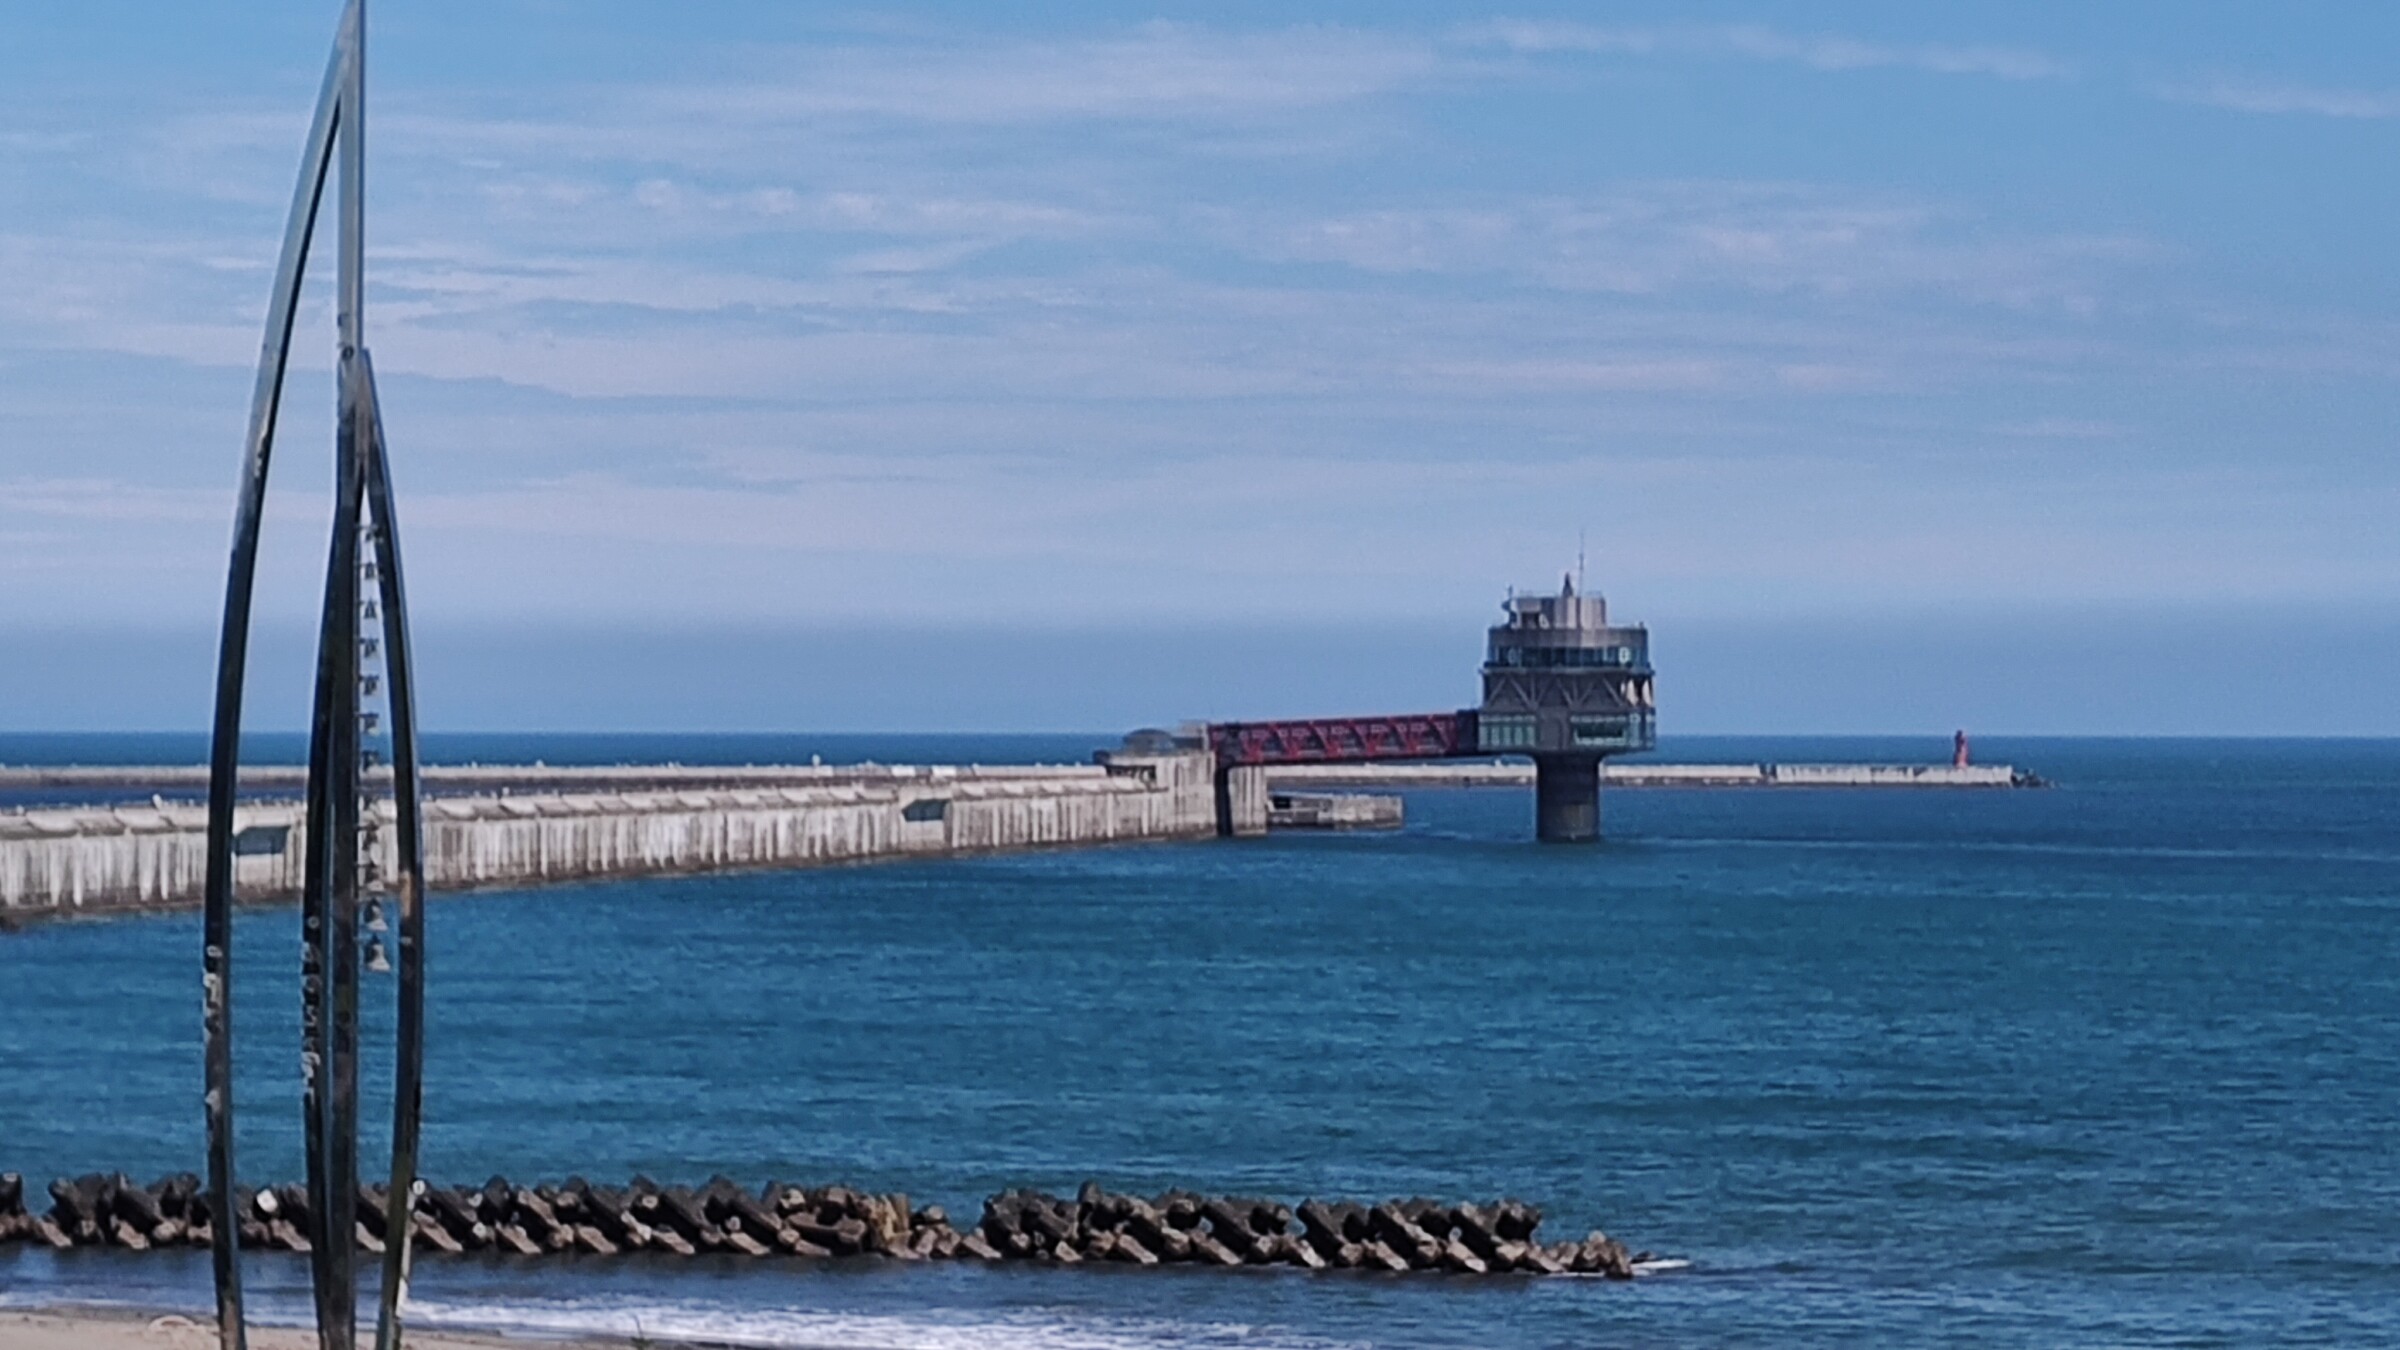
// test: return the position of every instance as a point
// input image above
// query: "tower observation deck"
(1568, 688)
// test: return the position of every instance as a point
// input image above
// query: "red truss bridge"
(1337, 740)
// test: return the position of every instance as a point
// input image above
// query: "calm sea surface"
(2114, 1063)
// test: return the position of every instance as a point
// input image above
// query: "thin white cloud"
(1158, 70)
(1831, 53)
(921, 308)
(2257, 96)
(1805, 526)
(1696, 237)
(97, 499)
(881, 212)
(1619, 376)
(935, 322)
(2063, 429)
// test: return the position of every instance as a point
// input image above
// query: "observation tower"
(1563, 685)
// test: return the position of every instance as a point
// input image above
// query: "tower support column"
(1566, 793)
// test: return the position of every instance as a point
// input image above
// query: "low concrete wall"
(1893, 775)
(1501, 774)
(96, 860)
(473, 778)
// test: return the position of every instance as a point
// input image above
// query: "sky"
(2025, 366)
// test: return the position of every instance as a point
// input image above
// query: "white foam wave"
(806, 1329)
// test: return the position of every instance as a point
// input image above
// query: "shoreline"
(69, 1326)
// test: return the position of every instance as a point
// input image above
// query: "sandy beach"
(113, 1329)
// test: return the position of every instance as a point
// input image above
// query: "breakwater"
(489, 779)
(824, 1223)
(492, 825)
(466, 779)
(1500, 773)
(95, 860)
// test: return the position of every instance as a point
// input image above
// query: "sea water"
(2116, 1062)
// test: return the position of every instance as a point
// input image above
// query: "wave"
(805, 1329)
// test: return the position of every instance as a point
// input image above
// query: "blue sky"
(1974, 362)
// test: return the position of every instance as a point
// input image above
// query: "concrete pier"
(464, 779)
(1517, 774)
(92, 860)
(587, 823)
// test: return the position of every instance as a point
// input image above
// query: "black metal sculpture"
(344, 844)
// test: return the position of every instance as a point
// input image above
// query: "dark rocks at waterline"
(1176, 1228)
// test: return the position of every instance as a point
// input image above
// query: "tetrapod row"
(1178, 1227)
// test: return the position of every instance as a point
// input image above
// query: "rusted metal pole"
(233, 647)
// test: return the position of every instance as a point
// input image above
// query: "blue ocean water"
(2113, 1063)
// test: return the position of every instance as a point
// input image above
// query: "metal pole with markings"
(364, 693)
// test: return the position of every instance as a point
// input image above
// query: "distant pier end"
(1565, 687)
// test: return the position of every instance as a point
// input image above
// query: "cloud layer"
(1179, 318)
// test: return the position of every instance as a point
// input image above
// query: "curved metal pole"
(331, 877)
(338, 717)
(351, 281)
(225, 751)
(316, 1031)
(329, 902)
(408, 884)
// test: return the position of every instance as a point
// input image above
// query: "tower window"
(1505, 731)
(1597, 731)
